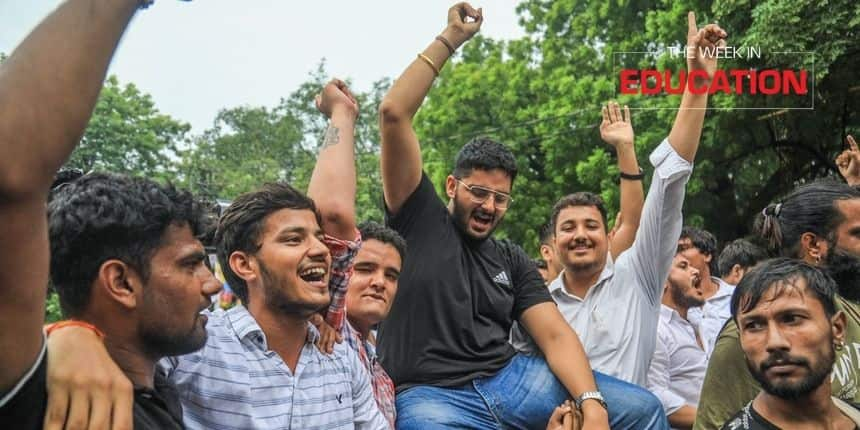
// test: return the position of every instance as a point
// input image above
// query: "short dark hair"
(540, 263)
(374, 230)
(741, 252)
(783, 273)
(103, 216)
(808, 208)
(242, 223)
(484, 154)
(582, 198)
(546, 233)
(705, 242)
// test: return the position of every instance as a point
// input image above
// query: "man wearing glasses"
(445, 341)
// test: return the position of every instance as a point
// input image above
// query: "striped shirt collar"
(246, 328)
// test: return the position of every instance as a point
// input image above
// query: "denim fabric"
(521, 396)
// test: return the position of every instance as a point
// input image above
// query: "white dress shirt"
(711, 317)
(678, 368)
(617, 319)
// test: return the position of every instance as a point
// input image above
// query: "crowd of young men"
(427, 322)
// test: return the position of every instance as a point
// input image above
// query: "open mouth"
(313, 275)
(483, 220)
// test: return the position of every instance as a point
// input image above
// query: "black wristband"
(637, 177)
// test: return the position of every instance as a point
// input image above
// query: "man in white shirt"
(679, 363)
(700, 248)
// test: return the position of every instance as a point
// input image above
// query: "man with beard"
(286, 261)
(789, 332)
(678, 366)
(817, 223)
(101, 242)
(700, 248)
(445, 340)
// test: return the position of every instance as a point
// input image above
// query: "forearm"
(687, 129)
(632, 201)
(567, 359)
(49, 86)
(333, 181)
(409, 90)
(683, 418)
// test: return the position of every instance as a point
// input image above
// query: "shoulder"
(741, 420)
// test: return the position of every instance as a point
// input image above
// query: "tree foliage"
(128, 134)
(540, 95)
(248, 146)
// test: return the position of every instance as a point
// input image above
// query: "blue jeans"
(521, 396)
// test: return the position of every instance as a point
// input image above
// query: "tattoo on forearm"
(331, 137)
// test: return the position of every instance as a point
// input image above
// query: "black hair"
(808, 208)
(241, 225)
(546, 233)
(373, 230)
(783, 273)
(540, 263)
(582, 198)
(484, 154)
(705, 242)
(102, 216)
(741, 252)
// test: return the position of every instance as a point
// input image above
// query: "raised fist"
(463, 22)
(335, 96)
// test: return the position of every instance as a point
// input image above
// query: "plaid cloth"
(383, 386)
(342, 255)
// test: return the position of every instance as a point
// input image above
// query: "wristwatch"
(590, 395)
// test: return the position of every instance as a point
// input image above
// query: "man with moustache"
(445, 341)
(816, 223)
(679, 363)
(287, 257)
(790, 330)
(372, 289)
(122, 253)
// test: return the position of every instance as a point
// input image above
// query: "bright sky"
(196, 58)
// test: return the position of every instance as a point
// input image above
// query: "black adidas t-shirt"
(456, 301)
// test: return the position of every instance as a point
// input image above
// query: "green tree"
(248, 146)
(128, 134)
(541, 94)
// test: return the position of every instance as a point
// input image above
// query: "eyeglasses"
(480, 195)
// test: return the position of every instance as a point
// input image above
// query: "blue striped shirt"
(236, 382)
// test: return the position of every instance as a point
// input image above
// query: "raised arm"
(661, 220)
(617, 130)
(401, 154)
(48, 88)
(333, 182)
(687, 129)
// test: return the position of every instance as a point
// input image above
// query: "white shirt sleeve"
(660, 226)
(659, 378)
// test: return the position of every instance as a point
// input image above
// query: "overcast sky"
(196, 58)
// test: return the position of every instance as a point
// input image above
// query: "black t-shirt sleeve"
(26, 409)
(419, 204)
(529, 287)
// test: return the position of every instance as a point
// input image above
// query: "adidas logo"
(502, 278)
